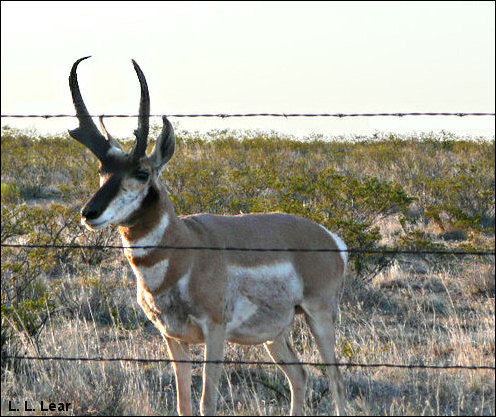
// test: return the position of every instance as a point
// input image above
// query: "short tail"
(341, 247)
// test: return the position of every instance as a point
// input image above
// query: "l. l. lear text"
(40, 406)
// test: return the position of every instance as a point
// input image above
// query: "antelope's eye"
(141, 175)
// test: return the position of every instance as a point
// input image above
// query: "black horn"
(87, 133)
(141, 132)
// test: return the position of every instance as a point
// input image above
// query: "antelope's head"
(127, 180)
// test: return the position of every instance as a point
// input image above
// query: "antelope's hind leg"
(215, 339)
(280, 350)
(180, 351)
(322, 325)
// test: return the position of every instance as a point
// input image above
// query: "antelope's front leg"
(180, 351)
(214, 351)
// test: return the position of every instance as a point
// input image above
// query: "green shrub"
(11, 192)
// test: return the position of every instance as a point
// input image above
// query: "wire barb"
(285, 115)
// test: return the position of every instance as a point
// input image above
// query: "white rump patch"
(340, 244)
(153, 275)
(154, 238)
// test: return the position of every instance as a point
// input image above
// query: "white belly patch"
(263, 300)
(243, 310)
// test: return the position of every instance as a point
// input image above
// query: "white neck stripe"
(153, 238)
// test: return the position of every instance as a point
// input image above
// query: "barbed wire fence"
(257, 363)
(379, 251)
(382, 251)
(285, 115)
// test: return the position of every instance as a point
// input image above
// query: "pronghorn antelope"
(210, 297)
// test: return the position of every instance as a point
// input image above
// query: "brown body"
(214, 279)
(248, 297)
(213, 296)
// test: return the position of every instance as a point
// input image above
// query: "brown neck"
(148, 216)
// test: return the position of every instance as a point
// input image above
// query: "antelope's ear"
(165, 146)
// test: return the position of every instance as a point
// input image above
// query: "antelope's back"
(273, 231)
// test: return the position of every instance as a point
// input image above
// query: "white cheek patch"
(122, 206)
(340, 244)
(154, 238)
(154, 275)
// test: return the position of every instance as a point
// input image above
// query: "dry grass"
(414, 310)
(400, 317)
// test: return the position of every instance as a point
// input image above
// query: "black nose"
(90, 213)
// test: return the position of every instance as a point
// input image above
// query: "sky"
(223, 57)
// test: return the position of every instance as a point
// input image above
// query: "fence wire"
(286, 115)
(242, 362)
(258, 363)
(242, 249)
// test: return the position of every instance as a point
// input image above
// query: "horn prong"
(110, 138)
(87, 133)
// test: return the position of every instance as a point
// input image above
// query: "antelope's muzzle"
(94, 209)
